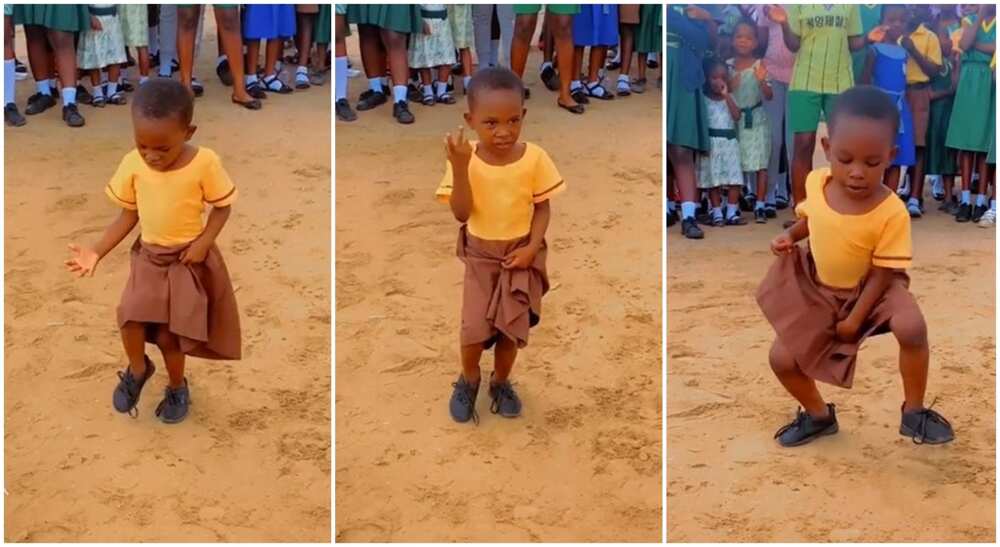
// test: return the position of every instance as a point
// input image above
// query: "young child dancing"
(499, 189)
(850, 283)
(179, 295)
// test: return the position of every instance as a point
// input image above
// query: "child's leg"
(304, 37)
(561, 29)
(627, 44)
(64, 45)
(949, 184)
(253, 56)
(910, 331)
(761, 188)
(802, 161)
(577, 63)
(800, 386)
(227, 21)
(892, 177)
(524, 30)
(682, 162)
(173, 357)
(984, 180)
(271, 55)
(598, 54)
(426, 83)
(134, 341)
(395, 45)
(965, 170)
(187, 27)
(503, 359)
(143, 60)
(640, 66)
(470, 362)
(917, 176)
(441, 86)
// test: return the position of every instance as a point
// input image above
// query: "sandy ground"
(252, 461)
(583, 463)
(728, 480)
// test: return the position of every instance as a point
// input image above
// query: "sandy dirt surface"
(728, 480)
(584, 460)
(252, 460)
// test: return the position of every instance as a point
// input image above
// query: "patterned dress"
(460, 18)
(135, 24)
(721, 166)
(436, 48)
(754, 127)
(101, 48)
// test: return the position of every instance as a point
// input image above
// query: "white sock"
(427, 89)
(385, 81)
(340, 74)
(68, 96)
(465, 81)
(302, 70)
(250, 78)
(440, 88)
(9, 72)
(375, 84)
(688, 209)
(914, 202)
(716, 212)
(980, 200)
(143, 79)
(44, 87)
(993, 205)
(760, 205)
(97, 91)
(575, 84)
(671, 206)
(966, 196)
(398, 93)
(221, 59)
(112, 88)
(732, 209)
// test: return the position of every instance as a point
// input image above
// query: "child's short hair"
(161, 98)
(492, 79)
(888, 8)
(865, 101)
(744, 20)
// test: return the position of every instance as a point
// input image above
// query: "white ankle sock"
(9, 73)
(68, 96)
(398, 93)
(44, 87)
(340, 75)
(374, 84)
(688, 209)
(440, 88)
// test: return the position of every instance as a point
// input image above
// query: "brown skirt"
(496, 300)
(919, 98)
(195, 301)
(804, 314)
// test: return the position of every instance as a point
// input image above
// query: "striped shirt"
(823, 63)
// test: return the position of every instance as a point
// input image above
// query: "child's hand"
(847, 331)
(83, 261)
(782, 244)
(696, 13)
(95, 24)
(776, 14)
(520, 258)
(877, 34)
(196, 252)
(907, 43)
(760, 72)
(458, 149)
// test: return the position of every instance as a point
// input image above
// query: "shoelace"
(465, 397)
(927, 415)
(503, 391)
(131, 388)
(173, 397)
(800, 418)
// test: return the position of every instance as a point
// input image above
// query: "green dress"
(63, 17)
(460, 18)
(687, 119)
(649, 36)
(969, 128)
(939, 159)
(134, 19)
(871, 16)
(754, 127)
(556, 9)
(323, 33)
(403, 18)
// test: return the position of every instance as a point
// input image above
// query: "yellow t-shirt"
(844, 246)
(927, 43)
(504, 196)
(171, 203)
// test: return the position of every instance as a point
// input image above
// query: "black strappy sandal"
(282, 89)
(118, 98)
(445, 98)
(603, 95)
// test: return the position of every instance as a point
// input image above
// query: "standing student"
(11, 115)
(102, 46)
(432, 53)
(751, 89)
(463, 35)
(272, 23)
(719, 170)
(778, 61)
(939, 159)
(596, 27)
(382, 31)
(341, 105)
(135, 30)
(559, 26)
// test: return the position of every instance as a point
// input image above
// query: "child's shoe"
(126, 395)
(977, 212)
(805, 429)
(401, 111)
(964, 213)
(690, 229)
(989, 219)
(505, 402)
(463, 401)
(926, 426)
(12, 117)
(759, 216)
(371, 99)
(174, 406)
(344, 112)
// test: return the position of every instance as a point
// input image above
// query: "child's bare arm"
(875, 286)
(198, 250)
(84, 259)
(522, 257)
(459, 154)
(734, 109)
(785, 242)
(930, 68)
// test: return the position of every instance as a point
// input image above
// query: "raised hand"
(877, 34)
(776, 14)
(83, 260)
(696, 13)
(760, 72)
(458, 149)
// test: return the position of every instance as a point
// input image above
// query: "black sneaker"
(926, 426)
(401, 111)
(71, 115)
(505, 402)
(344, 112)
(770, 211)
(174, 406)
(126, 395)
(805, 429)
(370, 99)
(760, 216)
(964, 213)
(12, 117)
(463, 401)
(977, 212)
(748, 203)
(39, 103)
(691, 230)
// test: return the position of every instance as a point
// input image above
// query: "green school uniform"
(939, 159)
(871, 16)
(969, 128)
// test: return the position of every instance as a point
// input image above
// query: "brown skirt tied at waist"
(804, 314)
(496, 300)
(195, 301)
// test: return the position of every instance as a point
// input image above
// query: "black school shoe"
(964, 213)
(805, 429)
(174, 406)
(344, 112)
(39, 103)
(126, 394)
(463, 401)
(370, 99)
(926, 426)
(401, 111)
(12, 117)
(505, 401)
(977, 212)
(71, 115)
(691, 230)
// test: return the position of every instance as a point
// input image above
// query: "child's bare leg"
(800, 386)
(715, 198)
(470, 362)
(949, 185)
(134, 341)
(173, 357)
(503, 359)
(983, 174)
(892, 177)
(910, 331)
(965, 168)
(143, 60)
(761, 185)
(733, 195)
(425, 76)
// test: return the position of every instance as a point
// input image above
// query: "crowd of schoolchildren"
(95, 54)
(748, 85)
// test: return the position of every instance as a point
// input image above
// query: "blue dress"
(889, 75)
(268, 21)
(596, 25)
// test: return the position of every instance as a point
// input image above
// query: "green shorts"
(557, 9)
(804, 108)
